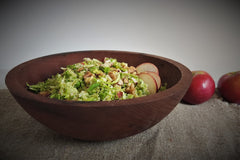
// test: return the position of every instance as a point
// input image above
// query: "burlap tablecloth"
(207, 131)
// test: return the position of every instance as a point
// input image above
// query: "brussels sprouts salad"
(93, 80)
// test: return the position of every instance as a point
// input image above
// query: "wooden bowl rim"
(18, 90)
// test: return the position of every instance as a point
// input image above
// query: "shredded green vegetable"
(93, 80)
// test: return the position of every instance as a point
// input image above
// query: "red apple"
(229, 87)
(145, 67)
(151, 69)
(201, 89)
(150, 81)
(156, 77)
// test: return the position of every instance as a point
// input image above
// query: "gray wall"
(203, 35)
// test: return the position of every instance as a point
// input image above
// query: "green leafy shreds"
(93, 80)
(163, 87)
(104, 69)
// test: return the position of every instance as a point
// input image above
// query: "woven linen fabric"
(210, 130)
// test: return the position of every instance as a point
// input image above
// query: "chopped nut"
(131, 89)
(125, 80)
(87, 74)
(44, 93)
(132, 69)
(88, 77)
(112, 75)
(100, 74)
(80, 69)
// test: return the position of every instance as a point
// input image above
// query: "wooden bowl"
(104, 120)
